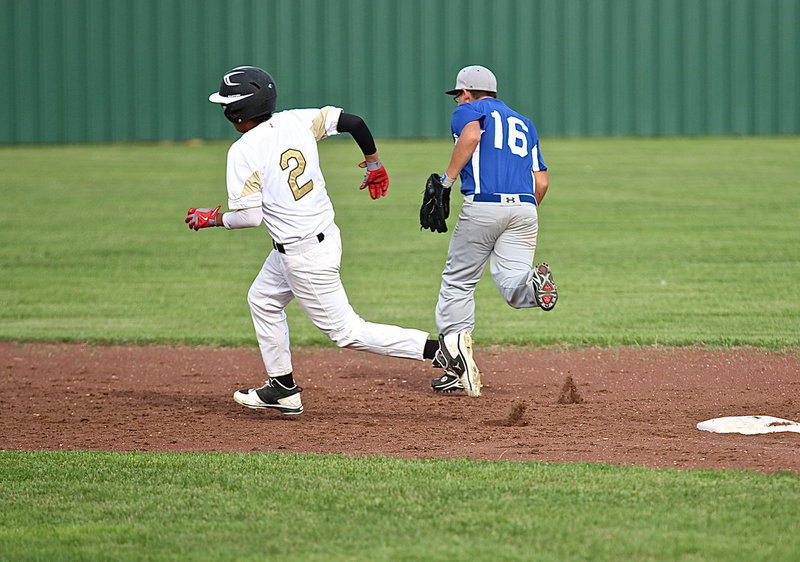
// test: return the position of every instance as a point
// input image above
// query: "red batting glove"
(202, 218)
(376, 179)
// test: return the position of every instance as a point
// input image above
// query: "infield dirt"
(625, 405)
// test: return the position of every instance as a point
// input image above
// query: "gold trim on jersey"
(318, 125)
(252, 185)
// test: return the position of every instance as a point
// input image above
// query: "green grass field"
(306, 507)
(669, 241)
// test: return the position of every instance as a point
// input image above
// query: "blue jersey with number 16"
(508, 152)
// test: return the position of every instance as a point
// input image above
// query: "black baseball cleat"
(272, 395)
(448, 382)
(543, 287)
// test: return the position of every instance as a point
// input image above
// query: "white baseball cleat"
(456, 350)
(272, 395)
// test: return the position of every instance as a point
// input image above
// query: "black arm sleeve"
(353, 124)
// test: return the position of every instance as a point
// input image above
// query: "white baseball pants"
(309, 272)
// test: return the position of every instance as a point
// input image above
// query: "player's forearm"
(242, 218)
(542, 184)
(462, 152)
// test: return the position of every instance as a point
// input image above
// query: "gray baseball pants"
(504, 234)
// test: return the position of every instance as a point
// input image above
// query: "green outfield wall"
(119, 70)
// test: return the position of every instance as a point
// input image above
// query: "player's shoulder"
(249, 142)
(281, 117)
(509, 111)
(470, 111)
(501, 106)
(239, 144)
(258, 134)
(287, 114)
(307, 117)
(483, 106)
(278, 119)
(489, 103)
(303, 113)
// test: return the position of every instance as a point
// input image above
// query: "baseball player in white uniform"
(274, 177)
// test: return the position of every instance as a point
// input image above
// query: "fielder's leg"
(510, 262)
(471, 244)
(521, 285)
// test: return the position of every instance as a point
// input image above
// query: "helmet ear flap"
(233, 115)
(236, 116)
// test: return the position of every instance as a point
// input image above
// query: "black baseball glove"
(435, 205)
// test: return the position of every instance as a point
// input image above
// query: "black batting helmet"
(246, 92)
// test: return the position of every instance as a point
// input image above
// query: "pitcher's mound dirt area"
(622, 406)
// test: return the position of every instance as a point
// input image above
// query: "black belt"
(282, 249)
(503, 198)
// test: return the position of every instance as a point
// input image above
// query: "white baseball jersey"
(276, 166)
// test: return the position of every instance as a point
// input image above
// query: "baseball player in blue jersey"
(503, 180)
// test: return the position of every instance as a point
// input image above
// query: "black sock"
(431, 347)
(286, 381)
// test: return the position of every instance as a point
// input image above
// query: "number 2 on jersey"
(299, 167)
(517, 139)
